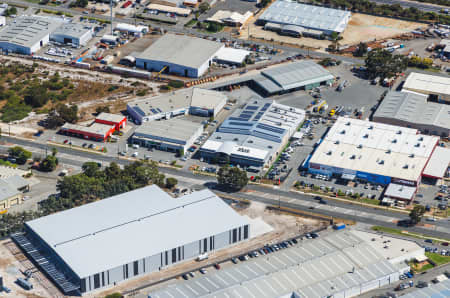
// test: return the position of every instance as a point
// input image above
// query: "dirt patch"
(12, 263)
(364, 27)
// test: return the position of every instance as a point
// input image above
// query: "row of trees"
(394, 10)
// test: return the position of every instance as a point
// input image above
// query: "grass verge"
(407, 234)
(437, 258)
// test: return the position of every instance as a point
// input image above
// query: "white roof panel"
(430, 84)
(438, 163)
(132, 226)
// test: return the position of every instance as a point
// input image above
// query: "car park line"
(231, 276)
(190, 288)
(201, 286)
(239, 271)
(221, 279)
(181, 292)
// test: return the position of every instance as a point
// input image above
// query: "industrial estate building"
(72, 33)
(179, 54)
(194, 101)
(27, 34)
(301, 75)
(102, 243)
(253, 135)
(11, 191)
(310, 19)
(341, 264)
(438, 165)
(175, 135)
(230, 18)
(412, 110)
(436, 87)
(279, 79)
(100, 130)
(373, 152)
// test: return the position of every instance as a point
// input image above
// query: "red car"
(217, 266)
(65, 141)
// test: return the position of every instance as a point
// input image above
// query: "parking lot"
(359, 94)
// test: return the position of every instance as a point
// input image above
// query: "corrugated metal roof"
(182, 50)
(26, 31)
(428, 83)
(297, 74)
(438, 163)
(178, 129)
(121, 229)
(413, 108)
(310, 16)
(312, 268)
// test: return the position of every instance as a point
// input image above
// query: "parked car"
(234, 260)
(217, 266)
(203, 271)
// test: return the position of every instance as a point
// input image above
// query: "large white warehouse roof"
(307, 16)
(375, 148)
(181, 50)
(130, 226)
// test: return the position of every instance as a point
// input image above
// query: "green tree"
(417, 213)
(54, 151)
(203, 7)
(102, 109)
(232, 178)
(381, 63)
(36, 95)
(49, 163)
(361, 50)
(90, 168)
(21, 155)
(62, 114)
(171, 182)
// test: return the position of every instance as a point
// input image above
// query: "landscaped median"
(408, 234)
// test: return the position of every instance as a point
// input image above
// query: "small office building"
(103, 243)
(179, 54)
(437, 88)
(72, 33)
(175, 135)
(11, 191)
(194, 101)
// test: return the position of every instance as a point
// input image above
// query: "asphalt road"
(408, 4)
(442, 232)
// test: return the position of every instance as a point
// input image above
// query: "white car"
(135, 146)
(135, 154)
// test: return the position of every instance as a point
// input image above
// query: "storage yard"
(360, 28)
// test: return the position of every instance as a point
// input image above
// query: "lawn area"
(437, 258)
(421, 269)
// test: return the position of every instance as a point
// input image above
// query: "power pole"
(111, 8)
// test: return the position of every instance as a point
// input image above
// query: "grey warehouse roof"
(414, 108)
(312, 268)
(121, 229)
(176, 128)
(294, 75)
(309, 16)
(10, 186)
(184, 98)
(74, 30)
(181, 50)
(28, 30)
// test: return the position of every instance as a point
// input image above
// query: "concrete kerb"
(73, 147)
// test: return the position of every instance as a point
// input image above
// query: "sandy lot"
(10, 270)
(364, 27)
(361, 27)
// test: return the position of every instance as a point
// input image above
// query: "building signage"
(403, 182)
